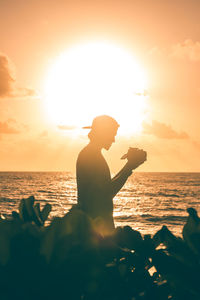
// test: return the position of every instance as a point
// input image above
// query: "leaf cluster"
(69, 259)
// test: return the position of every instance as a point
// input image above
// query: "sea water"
(146, 202)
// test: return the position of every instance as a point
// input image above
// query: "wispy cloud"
(163, 131)
(8, 86)
(9, 127)
(24, 92)
(196, 145)
(187, 50)
(43, 134)
(66, 127)
(6, 77)
(155, 51)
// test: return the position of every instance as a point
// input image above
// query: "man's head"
(103, 131)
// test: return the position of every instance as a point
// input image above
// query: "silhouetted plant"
(70, 259)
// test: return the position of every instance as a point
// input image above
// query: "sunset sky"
(39, 38)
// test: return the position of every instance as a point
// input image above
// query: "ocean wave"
(5, 199)
(170, 219)
(167, 219)
(168, 195)
(159, 194)
(175, 208)
(43, 191)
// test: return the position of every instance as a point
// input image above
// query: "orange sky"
(162, 35)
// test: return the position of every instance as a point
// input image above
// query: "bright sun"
(93, 79)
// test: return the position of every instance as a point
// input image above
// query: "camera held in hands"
(135, 156)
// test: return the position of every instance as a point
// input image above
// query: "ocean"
(146, 202)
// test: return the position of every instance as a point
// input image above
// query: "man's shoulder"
(90, 161)
(87, 153)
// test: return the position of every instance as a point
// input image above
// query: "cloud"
(8, 83)
(66, 127)
(143, 93)
(197, 145)
(9, 127)
(163, 131)
(6, 78)
(24, 92)
(188, 49)
(155, 51)
(43, 134)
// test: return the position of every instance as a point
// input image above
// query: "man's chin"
(107, 147)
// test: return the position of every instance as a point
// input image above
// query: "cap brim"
(87, 127)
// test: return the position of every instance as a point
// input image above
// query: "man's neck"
(95, 146)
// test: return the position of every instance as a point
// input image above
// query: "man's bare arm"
(134, 161)
(120, 178)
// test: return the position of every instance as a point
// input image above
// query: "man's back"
(93, 183)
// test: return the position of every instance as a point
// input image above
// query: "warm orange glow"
(96, 78)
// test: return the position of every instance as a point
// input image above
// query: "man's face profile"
(103, 131)
(108, 138)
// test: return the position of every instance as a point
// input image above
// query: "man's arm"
(119, 180)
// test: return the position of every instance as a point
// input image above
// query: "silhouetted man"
(96, 189)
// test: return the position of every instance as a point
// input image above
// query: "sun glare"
(93, 79)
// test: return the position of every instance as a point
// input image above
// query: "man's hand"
(135, 157)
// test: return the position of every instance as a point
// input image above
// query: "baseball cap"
(102, 122)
